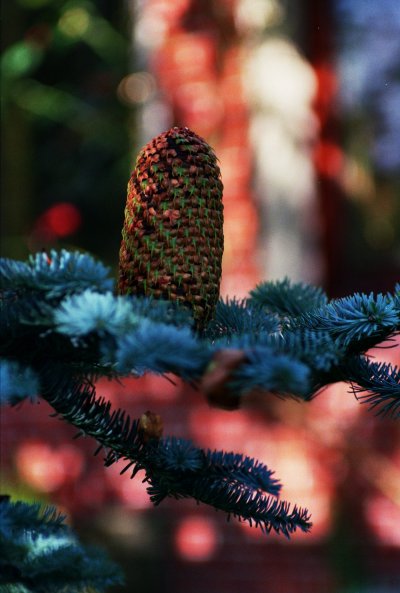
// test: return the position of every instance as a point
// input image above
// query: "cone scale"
(172, 239)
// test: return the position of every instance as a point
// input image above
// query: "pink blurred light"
(196, 539)
(306, 481)
(110, 390)
(383, 516)
(47, 468)
(335, 412)
(134, 392)
(131, 492)
(163, 389)
(240, 226)
(219, 429)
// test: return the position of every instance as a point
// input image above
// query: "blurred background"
(301, 102)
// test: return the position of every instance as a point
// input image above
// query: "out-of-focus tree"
(65, 138)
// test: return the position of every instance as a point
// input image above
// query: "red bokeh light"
(196, 539)
(61, 220)
(328, 159)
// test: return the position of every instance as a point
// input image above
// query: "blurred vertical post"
(281, 87)
(328, 155)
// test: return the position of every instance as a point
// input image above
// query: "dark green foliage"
(39, 553)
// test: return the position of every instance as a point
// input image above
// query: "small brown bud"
(150, 426)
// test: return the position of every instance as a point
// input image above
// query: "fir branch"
(314, 348)
(80, 314)
(56, 274)
(160, 348)
(174, 467)
(356, 322)
(19, 312)
(378, 383)
(242, 502)
(290, 341)
(271, 371)
(75, 400)
(39, 553)
(173, 457)
(286, 298)
(102, 334)
(179, 455)
(257, 474)
(22, 517)
(235, 318)
(69, 567)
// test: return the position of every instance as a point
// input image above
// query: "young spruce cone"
(172, 239)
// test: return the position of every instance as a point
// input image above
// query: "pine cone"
(172, 239)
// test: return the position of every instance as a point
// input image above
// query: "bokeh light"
(137, 87)
(47, 468)
(74, 22)
(384, 517)
(131, 493)
(61, 220)
(20, 59)
(196, 538)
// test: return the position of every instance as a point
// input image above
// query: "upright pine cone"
(172, 239)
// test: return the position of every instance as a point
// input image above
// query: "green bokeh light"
(74, 22)
(20, 59)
